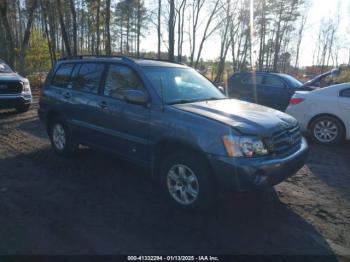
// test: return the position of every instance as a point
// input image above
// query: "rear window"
(252, 79)
(63, 74)
(273, 82)
(89, 77)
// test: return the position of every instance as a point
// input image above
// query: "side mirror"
(136, 97)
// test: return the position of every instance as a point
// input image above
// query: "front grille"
(10, 87)
(285, 140)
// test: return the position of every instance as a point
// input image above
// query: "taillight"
(295, 101)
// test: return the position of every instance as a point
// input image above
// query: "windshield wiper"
(185, 101)
(215, 98)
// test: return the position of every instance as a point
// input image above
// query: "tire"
(187, 174)
(22, 108)
(61, 139)
(327, 130)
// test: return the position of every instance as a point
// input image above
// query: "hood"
(247, 118)
(12, 77)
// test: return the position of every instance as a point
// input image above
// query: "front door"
(126, 125)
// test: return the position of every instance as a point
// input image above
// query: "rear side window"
(119, 79)
(273, 82)
(252, 80)
(63, 74)
(345, 93)
(89, 77)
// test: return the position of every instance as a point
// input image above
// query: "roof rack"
(125, 58)
(160, 60)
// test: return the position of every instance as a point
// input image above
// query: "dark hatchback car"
(14, 89)
(269, 89)
(165, 116)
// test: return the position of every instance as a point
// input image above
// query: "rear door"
(85, 96)
(250, 85)
(126, 125)
(274, 92)
(60, 91)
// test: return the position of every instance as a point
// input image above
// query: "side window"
(274, 82)
(89, 77)
(62, 77)
(121, 78)
(345, 93)
(252, 79)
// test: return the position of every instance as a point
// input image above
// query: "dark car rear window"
(252, 79)
(63, 74)
(89, 77)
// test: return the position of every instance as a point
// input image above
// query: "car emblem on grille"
(3, 86)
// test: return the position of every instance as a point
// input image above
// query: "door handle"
(67, 95)
(103, 104)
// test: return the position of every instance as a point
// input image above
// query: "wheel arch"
(172, 145)
(52, 114)
(329, 115)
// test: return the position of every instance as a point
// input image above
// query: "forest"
(260, 34)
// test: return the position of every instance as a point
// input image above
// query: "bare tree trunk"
(300, 37)
(63, 29)
(108, 31)
(197, 6)
(262, 36)
(44, 9)
(138, 28)
(171, 55)
(74, 16)
(25, 41)
(180, 24)
(10, 45)
(159, 28)
(97, 50)
(207, 34)
(225, 43)
(277, 40)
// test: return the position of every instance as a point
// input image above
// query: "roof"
(138, 61)
(261, 72)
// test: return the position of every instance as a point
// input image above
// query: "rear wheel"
(327, 130)
(186, 181)
(61, 139)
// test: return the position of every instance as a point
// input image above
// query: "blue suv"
(269, 89)
(198, 143)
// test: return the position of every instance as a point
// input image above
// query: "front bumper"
(14, 100)
(240, 174)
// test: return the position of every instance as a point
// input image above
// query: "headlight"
(26, 87)
(244, 146)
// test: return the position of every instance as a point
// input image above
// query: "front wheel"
(186, 181)
(61, 139)
(327, 130)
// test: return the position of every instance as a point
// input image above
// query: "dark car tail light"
(295, 101)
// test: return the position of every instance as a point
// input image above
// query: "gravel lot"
(96, 204)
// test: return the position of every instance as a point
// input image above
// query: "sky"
(318, 10)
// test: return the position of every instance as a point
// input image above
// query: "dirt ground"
(94, 203)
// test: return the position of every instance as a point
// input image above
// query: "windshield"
(5, 68)
(293, 82)
(182, 85)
